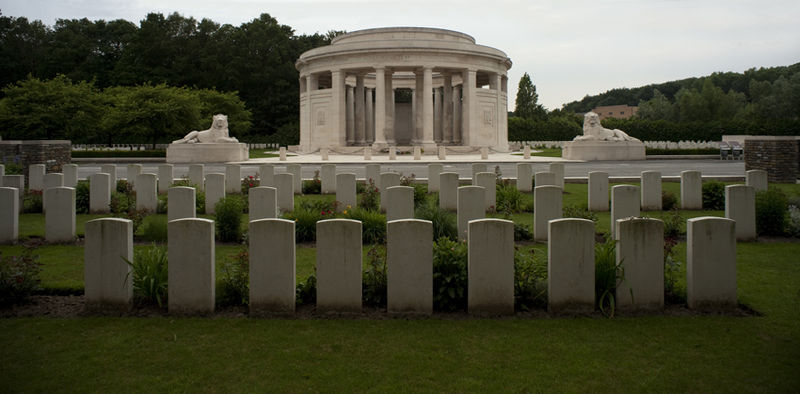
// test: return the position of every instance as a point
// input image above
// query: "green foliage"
(527, 106)
(771, 211)
(32, 201)
(607, 274)
(162, 203)
(668, 200)
(155, 229)
(82, 197)
(150, 275)
(530, 280)
(560, 128)
(228, 218)
(373, 225)
(674, 224)
(420, 190)
(698, 151)
(306, 215)
(508, 199)
(306, 293)
(714, 195)
(370, 199)
(374, 277)
(449, 275)
(522, 232)
(712, 130)
(119, 153)
(581, 212)
(287, 134)
(793, 223)
(673, 294)
(444, 222)
(248, 183)
(234, 286)
(314, 185)
(19, 276)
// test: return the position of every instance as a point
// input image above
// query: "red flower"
(322, 213)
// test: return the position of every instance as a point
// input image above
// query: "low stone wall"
(778, 156)
(52, 153)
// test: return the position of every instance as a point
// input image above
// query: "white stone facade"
(366, 90)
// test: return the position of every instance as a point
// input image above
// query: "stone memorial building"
(403, 86)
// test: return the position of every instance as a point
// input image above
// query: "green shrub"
(509, 199)
(249, 182)
(305, 223)
(580, 212)
(19, 276)
(136, 217)
(668, 200)
(234, 286)
(714, 195)
(369, 200)
(163, 203)
(374, 278)
(119, 153)
(793, 224)
(32, 201)
(313, 186)
(228, 218)
(82, 197)
(771, 211)
(672, 271)
(607, 274)
(522, 232)
(373, 225)
(12, 167)
(306, 293)
(155, 228)
(124, 187)
(530, 280)
(150, 275)
(449, 275)
(444, 222)
(121, 203)
(674, 224)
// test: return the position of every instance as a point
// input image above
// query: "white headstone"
(146, 193)
(758, 179)
(417, 153)
(570, 265)
(740, 206)
(266, 175)
(490, 267)
(388, 179)
(59, 219)
(284, 185)
(70, 172)
(339, 265)
(476, 168)
(598, 191)
(297, 172)
(434, 169)
(165, 176)
(17, 182)
(640, 253)
(191, 273)
(36, 176)
(409, 266)
(328, 178)
(107, 277)
(132, 171)
(625, 203)
(111, 170)
(558, 169)
(99, 197)
(448, 191)
(233, 178)
(197, 176)
(442, 154)
(547, 206)
(711, 263)
(374, 173)
(545, 178)
(524, 177)
(691, 190)
(9, 215)
(215, 190)
(651, 190)
(400, 204)
(471, 206)
(488, 181)
(526, 152)
(346, 191)
(53, 179)
(282, 153)
(272, 266)
(181, 203)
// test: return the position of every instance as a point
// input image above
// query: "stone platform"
(604, 150)
(207, 153)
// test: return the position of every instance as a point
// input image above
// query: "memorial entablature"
(367, 89)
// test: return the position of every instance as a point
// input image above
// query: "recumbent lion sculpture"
(594, 131)
(217, 133)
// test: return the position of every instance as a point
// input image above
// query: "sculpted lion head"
(591, 121)
(219, 121)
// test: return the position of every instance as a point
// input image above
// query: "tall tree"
(527, 105)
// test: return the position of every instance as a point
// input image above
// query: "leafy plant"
(373, 225)
(374, 277)
(19, 276)
(714, 195)
(228, 213)
(249, 182)
(305, 223)
(163, 203)
(509, 199)
(150, 275)
(522, 232)
(771, 212)
(234, 286)
(369, 200)
(674, 224)
(449, 275)
(530, 280)
(793, 225)
(155, 229)
(581, 212)
(672, 270)
(306, 293)
(82, 197)
(313, 186)
(668, 200)
(32, 201)
(444, 222)
(607, 275)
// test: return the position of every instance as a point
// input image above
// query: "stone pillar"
(389, 126)
(476, 168)
(457, 115)
(284, 183)
(263, 203)
(740, 206)
(558, 169)
(36, 177)
(296, 170)
(147, 193)
(400, 203)
(132, 171)
(409, 266)
(447, 104)
(448, 191)
(99, 197)
(501, 120)
(369, 127)
(438, 113)
(547, 206)
(339, 265)
(190, 250)
(488, 181)
(469, 106)
(490, 260)
(282, 153)
(359, 110)
(434, 170)
(197, 176)
(351, 116)
(570, 265)
(380, 108)
(9, 215)
(59, 219)
(758, 179)
(526, 152)
(107, 277)
(338, 128)
(419, 82)
(427, 108)
(233, 178)
(598, 191)
(545, 178)
(625, 203)
(374, 173)
(470, 207)
(328, 179)
(691, 190)
(266, 175)
(346, 191)
(272, 266)
(388, 179)
(182, 204)
(215, 190)
(711, 263)
(70, 172)
(651, 191)
(640, 253)
(165, 175)
(414, 104)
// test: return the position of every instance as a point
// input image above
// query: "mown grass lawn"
(677, 351)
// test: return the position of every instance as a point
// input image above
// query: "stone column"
(427, 108)
(359, 110)
(414, 104)
(437, 115)
(457, 115)
(501, 132)
(418, 126)
(369, 127)
(351, 115)
(338, 128)
(380, 108)
(468, 107)
(447, 103)
(389, 126)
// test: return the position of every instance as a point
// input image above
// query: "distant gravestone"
(266, 175)
(181, 203)
(197, 176)
(284, 184)
(99, 197)
(758, 179)
(545, 178)
(346, 191)
(558, 170)
(711, 263)
(59, 219)
(434, 170)
(598, 191)
(374, 174)
(488, 181)
(624, 203)
(448, 191)
(476, 168)
(132, 171)
(215, 190)
(36, 176)
(471, 206)
(328, 179)
(400, 204)
(740, 206)
(233, 178)
(691, 190)
(388, 179)
(146, 193)
(165, 176)
(651, 191)
(70, 172)
(297, 172)
(547, 206)
(9, 215)
(524, 177)
(111, 170)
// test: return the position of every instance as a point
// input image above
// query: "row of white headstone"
(711, 265)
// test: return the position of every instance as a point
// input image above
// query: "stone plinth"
(604, 150)
(272, 266)
(409, 266)
(207, 153)
(190, 251)
(490, 269)
(107, 276)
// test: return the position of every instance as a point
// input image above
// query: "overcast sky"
(570, 48)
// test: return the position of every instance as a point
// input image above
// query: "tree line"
(253, 62)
